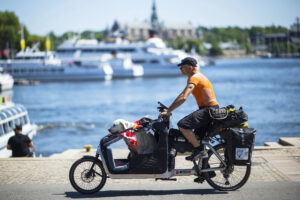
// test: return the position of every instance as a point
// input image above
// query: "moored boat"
(11, 115)
(6, 81)
(35, 65)
(153, 54)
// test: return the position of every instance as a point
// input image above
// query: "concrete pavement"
(274, 165)
(160, 190)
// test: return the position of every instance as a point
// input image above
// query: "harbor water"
(72, 114)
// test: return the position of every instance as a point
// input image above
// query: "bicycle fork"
(91, 171)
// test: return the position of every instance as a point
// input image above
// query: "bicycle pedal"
(199, 180)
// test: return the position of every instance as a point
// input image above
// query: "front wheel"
(84, 178)
(232, 178)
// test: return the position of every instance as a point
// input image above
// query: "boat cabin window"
(17, 122)
(126, 50)
(89, 50)
(78, 63)
(138, 61)
(154, 61)
(65, 50)
(1, 130)
(104, 50)
(11, 124)
(25, 118)
(20, 121)
(29, 58)
(6, 128)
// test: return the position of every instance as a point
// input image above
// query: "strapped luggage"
(240, 143)
(227, 117)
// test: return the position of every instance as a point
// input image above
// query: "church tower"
(154, 18)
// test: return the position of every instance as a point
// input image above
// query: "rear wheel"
(86, 180)
(232, 178)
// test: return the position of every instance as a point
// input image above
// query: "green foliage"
(215, 50)
(249, 49)
(293, 48)
(99, 35)
(176, 43)
(9, 30)
(32, 39)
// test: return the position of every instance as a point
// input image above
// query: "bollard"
(88, 147)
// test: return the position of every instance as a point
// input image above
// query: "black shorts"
(196, 120)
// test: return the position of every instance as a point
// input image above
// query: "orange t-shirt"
(203, 91)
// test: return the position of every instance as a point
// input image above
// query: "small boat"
(11, 115)
(6, 81)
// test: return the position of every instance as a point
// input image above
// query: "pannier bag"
(227, 117)
(240, 143)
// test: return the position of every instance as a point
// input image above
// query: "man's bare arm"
(179, 100)
(181, 97)
(8, 146)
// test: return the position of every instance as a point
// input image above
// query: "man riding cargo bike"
(225, 166)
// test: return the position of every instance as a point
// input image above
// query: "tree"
(33, 39)
(293, 48)
(215, 50)
(9, 29)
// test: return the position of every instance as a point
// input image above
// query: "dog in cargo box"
(145, 141)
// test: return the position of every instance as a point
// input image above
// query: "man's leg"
(194, 120)
(198, 149)
(190, 136)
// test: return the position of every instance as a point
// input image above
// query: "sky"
(59, 16)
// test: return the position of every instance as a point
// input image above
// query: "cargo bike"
(226, 168)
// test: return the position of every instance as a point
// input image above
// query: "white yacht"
(121, 65)
(6, 81)
(35, 65)
(10, 115)
(153, 55)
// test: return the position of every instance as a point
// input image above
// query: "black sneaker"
(197, 154)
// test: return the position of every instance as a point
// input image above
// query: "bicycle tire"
(211, 180)
(88, 162)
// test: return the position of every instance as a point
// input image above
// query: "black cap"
(18, 127)
(188, 61)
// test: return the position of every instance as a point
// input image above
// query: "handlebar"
(161, 107)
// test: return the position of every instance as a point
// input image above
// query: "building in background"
(295, 32)
(284, 44)
(232, 49)
(140, 30)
